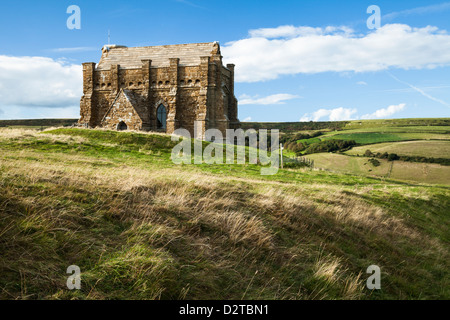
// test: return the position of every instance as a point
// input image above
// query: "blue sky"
(295, 60)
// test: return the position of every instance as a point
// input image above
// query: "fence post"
(281, 149)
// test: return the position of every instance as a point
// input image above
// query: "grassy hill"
(400, 170)
(429, 122)
(372, 135)
(287, 127)
(141, 227)
(423, 146)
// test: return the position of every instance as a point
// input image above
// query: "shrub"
(368, 153)
(330, 146)
(393, 156)
(294, 165)
(374, 162)
(291, 143)
(384, 155)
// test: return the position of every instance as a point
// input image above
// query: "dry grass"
(159, 233)
(414, 172)
(28, 134)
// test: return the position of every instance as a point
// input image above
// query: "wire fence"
(298, 162)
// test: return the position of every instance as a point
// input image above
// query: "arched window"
(122, 126)
(161, 116)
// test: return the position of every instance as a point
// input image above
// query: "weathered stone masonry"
(160, 88)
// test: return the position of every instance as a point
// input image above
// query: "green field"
(434, 149)
(409, 129)
(366, 136)
(377, 137)
(417, 141)
(140, 227)
(400, 123)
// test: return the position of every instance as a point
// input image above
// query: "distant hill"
(38, 123)
(283, 126)
(295, 126)
(345, 125)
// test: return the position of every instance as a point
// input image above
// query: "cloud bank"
(384, 113)
(39, 81)
(269, 53)
(279, 98)
(342, 114)
(337, 114)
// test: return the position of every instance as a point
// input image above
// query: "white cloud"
(341, 114)
(362, 83)
(247, 119)
(337, 114)
(386, 112)
(75, 49)
(291, 31)
(272, 52)
(39, 81)
(280, 98)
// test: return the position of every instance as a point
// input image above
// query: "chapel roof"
(131, 58)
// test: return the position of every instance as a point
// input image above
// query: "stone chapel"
(160, 88)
